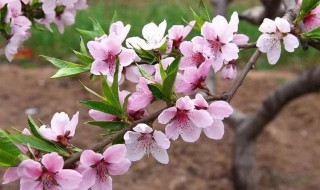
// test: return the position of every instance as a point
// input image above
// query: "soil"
(287, 152)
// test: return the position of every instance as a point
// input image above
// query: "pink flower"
(177, 34)
(144, 140)
(106, 53)
(229, 71)
(49, 6)
(239, 39)
(192, 79)
(62, 128)
(120, 30)
(194, 54)
(273, 33)
(101, 116)
(142, 97)
(218, 36)
(10, 175)
(153, 37)
(49, 174)
(67, 18)
(100, 168)
(218, 110)
(184, 120)
(312, 20)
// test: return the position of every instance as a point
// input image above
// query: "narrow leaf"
(114, 125)
(102, 106)
(64, 72)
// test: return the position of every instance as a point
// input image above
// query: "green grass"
(138, 13)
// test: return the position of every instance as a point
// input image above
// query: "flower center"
(48, 180)
(278, 35)
(111, 63)
(215, 45)
(102, 171)
(198, 58)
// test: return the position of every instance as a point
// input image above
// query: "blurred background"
(287, 151)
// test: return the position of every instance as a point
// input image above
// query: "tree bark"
(252, 126)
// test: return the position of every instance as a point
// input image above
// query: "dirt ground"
(287, 152)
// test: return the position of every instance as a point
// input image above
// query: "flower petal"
(68, 179)
(89, 158)
(200, 118)
(190, 133)
(59, 123)
(283, 25)
(30, 169)
(142, 128)
(102, 184)
(160, 154)
(115, 153)
(53, 162)
(119, 168)
(268, 26)
(28, 184)
(274, 54)
(88, 179)
(135, 151)
(290, 42)
(10, 175)
(48, 133)
(161, 139)
(220, 110)
(167, 114)
(73, 124)
(215, 131)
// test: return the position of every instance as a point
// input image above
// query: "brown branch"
(240, 79)
(248, 46)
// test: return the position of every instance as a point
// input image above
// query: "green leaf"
(83, 58)
(197, 18)
(102, 106)
(156, 91)
(162, 72)
(91, 91)
(97, 27)
(174, 66)
(313, 34)
(64, 72)
(168, 85)
(204, 13)
(83, 48)
(125, 104)
(88, 34)
(144, 73)
(8, 150)
(306, 7)
(33, 127)
(118, 140)
(37, 143)
(112, 125)
(115, 84)
(109, 95)
(60, 63)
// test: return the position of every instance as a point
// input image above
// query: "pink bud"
(229, 72)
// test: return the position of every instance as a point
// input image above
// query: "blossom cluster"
(21, 14)
(165, 66)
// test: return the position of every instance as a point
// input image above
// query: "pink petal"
(142, 128)
(274, 53)
(184, 103)
(68, 179)
(186, 48)
(220, 110)
(53, 162)
(166, 116)
(89, 158)
(126, 57)
(175, 32)
(161, 139)
(217, 62)
(30, 169)
(188, 29)
(290, 42)
(10, 175)
(48, 6)
(59, 123)
(222, 30)
(268, 26)
(115, 153)
(28, 184)
(160, 154)
(190, 133)
(102, 184)
(283, 25)
(120, 30)
(111, 45)
(172, 132)
(119, 168)
(215, 131)
(98, 67)
(26, 131)
(208, 31)
(131, 137)
(200, 118)
(100, 116)
(139, 101)
(181, 86)
(48, 133)
(234, 22)
(88, 179)
(265, 42)
(230, 51)
(200, 102)
(97, 50)
(73, 124)
(135, 151)
(240, 39)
